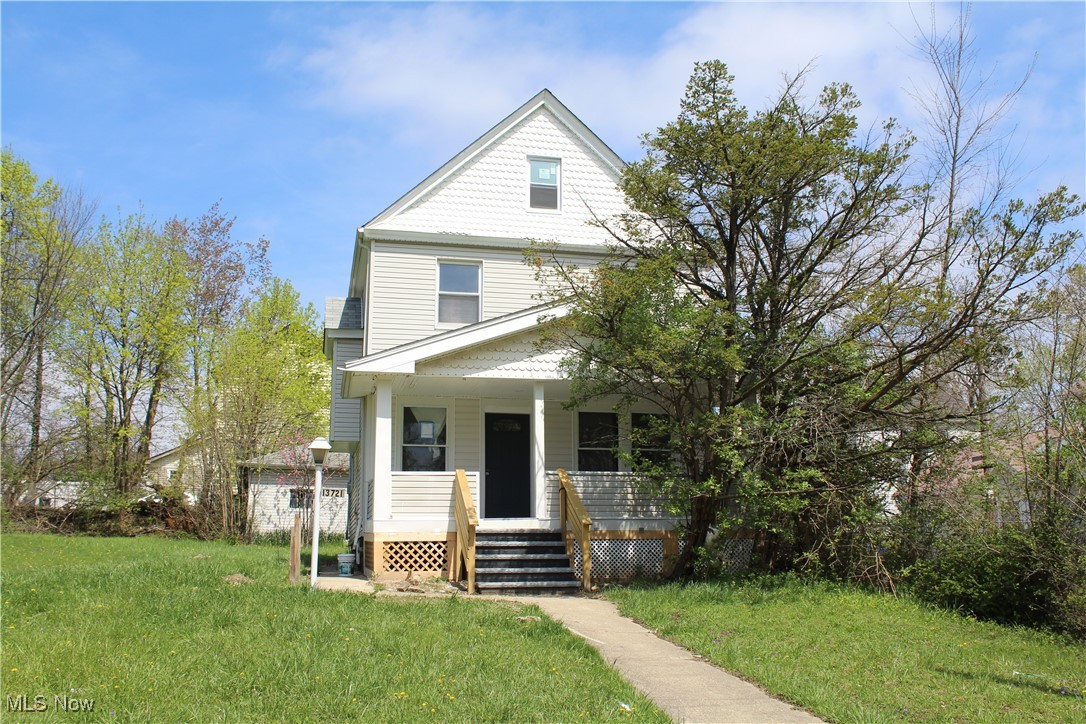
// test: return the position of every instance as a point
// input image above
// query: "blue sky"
(308, 119)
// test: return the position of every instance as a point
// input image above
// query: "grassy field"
(150, 631)
(854, 656)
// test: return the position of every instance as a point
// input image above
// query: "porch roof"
(403, 359)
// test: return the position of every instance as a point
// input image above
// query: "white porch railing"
(427, 495)
(606, 496)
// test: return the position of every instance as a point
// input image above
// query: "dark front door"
(508, 474)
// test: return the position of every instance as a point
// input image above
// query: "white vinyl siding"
(487, 196)
(609, 497)
(467, 427)
(269, 504)
(346, 418)
(558, 430)
(405, 285)
(510, 357)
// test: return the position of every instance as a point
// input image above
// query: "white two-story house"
(436, 367)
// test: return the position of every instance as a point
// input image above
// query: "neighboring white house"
(280, 484)
(178, 467)
(57, 494)
(166, 468)
(435, 363)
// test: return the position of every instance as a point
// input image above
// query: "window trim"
(558, 185)
(478, 295)
(399, 405)
(577, 448)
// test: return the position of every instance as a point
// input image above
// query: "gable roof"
(544, 99)
(289, 458)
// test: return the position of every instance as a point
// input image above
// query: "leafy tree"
(223, 272)
(127, 341)
(44, 227)
(774, 294)
(270, 383)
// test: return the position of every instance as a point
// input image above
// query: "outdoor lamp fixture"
(319, 449)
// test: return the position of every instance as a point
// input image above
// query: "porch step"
(521, 562)
(533, 576)
(528, 587)
(520, 549)
(498, 560)
(518, 535)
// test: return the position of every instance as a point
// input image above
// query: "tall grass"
(852, 655)
(151, 630)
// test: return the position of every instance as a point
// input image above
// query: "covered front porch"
(487, 401)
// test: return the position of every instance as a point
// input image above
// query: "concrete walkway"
(688, 688)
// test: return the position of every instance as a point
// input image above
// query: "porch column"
(539, 457)
(382, 452)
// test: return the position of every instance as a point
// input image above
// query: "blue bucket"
(346, 563)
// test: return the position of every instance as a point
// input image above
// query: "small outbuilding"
(280, 484)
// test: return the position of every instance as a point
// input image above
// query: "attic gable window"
(458, 292)
(543, 183)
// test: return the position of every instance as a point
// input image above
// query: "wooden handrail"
(576, 526)
(466, 523)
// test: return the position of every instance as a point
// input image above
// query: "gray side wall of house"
(346, 418)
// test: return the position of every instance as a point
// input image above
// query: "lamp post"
(319, 449)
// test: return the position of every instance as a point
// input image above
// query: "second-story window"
(458, 292)
(543, 184)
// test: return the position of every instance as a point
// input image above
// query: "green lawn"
(855, 656)
(150, 631)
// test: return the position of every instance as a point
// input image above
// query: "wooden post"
(296, 549)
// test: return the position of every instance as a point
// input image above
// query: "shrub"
(1012, 573)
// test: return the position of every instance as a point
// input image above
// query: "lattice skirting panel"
(407, 556)
(624, 559)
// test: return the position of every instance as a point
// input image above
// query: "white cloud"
(455, 69)
(440, 75)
